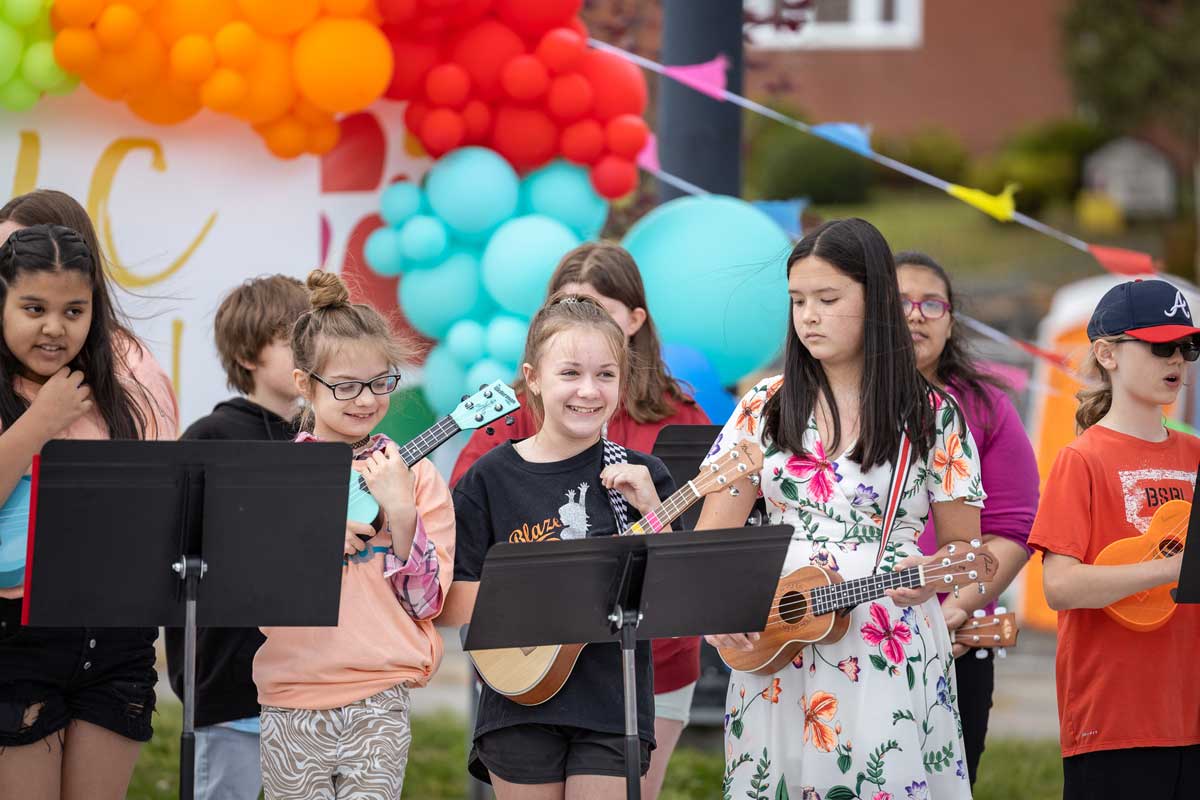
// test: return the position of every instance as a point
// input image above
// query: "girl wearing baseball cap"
(1128, 701)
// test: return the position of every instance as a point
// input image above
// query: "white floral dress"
(873, 716)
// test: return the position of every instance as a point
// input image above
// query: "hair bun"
(326, 290)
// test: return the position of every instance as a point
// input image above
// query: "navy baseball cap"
(1153, 311)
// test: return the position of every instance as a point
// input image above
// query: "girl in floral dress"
(874, 715)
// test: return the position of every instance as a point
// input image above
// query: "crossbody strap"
(895, 493)
(615, 454)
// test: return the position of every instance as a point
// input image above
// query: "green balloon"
(23, 13)
(12, 47)
(39, 69)
(17, 95)
(66, 87)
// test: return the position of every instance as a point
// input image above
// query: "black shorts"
(533, 754)
(1162, 773)
(104, 676)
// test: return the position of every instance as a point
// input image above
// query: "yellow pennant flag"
(998, 206)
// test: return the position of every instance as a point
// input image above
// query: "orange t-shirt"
(1118, 688)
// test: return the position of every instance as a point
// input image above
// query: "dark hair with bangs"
(893, 392)
(57, 248)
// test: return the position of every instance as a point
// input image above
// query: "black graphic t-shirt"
(504, 498)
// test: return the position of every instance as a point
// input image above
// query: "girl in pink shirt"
(335, 700)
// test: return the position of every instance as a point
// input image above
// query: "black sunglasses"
(1188, 348)
(348, 390)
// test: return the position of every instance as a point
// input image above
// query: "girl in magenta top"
(1007, 465)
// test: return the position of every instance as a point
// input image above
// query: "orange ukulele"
(985, 632)
(812, 603)
(1149, 610)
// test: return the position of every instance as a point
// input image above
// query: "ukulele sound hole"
(1169, 547)
(792, 607)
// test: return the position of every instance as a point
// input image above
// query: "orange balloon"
(121, 74)
(345, 8)
(78, 13)
(279, 17)
(193, 58)
(309, 114)
(165, 103)
(224, 90)
(237, 45)
(272, 90)
(77, 50)
(142, 6)
(285, 137)
(334, 82)
(117, 27)
(324, 137)
(174, 19)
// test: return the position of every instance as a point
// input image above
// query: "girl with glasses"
(1007, 464)
(335, 700)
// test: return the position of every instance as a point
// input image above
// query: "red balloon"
(396, 12)
(532, 18)
(414, 115)
(579, 26)
(525, 78)
(442, 130)
(525, 136)
(626, 135)
(413, 58)
(478, 119)
(561, 49)
(614, 177)
(582, 142)
(448, 85)
(570, 97)
(482, 51)
(618, 84)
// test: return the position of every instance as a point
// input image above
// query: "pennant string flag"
(648, 161)
(709, 77)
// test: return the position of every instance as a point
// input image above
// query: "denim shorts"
(50, 676)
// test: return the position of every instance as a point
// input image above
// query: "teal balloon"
(473, 190)
(465, 341)
(520, 258)
(12, 48)
(486, 371)
(39, 68)
(443, 380)
(715, 274)
(23, 13)
(563, 191)
(423, 239)
(434, 299)
(17, 95)
(382, 251)
(506, 338)
(399, 202)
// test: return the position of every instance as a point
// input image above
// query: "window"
(839, 24)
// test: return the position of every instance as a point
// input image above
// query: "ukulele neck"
(661, 516)
(430, 440)
(849, 594)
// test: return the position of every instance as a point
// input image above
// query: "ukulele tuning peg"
(489, 430)
(956, 591)
(742, 468)
(951, 548)
(464, 398)
(1001, 610)
(972, 574)
(1001, 652)
(734, 491)
(947, 579)
(981, 654)
(978, 613)
(721, 479)
(970, 556)
(982, 589)
(995, 637)
(510, 421)
(754, 480)
(975, 639)
(487, 393)
(498, 407)
(945, 562)
(975, 543)
(483, 386)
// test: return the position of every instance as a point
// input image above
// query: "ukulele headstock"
(744, 460)
(988, 632)
(489, 404)
(961, 563)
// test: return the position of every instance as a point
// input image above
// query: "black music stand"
(1188, 590)
(125, 532)
(624, 588)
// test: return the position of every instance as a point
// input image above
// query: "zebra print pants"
(358, 751)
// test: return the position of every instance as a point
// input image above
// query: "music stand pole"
(624, 622)
(190, 569)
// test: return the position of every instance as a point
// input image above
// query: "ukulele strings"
(1155, 551)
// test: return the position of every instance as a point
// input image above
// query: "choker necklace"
(360, 442)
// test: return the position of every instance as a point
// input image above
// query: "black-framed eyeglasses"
(930, 308)
(348, 390)
(1189, 348)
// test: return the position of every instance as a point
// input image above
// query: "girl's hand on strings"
(388, 477)
(737, 641)
(62, 399)
(357, 535)
(634, 483)
(903, 597)
(955, 619)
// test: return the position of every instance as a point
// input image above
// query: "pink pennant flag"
(707, 77)
(1122, 262)
(648, 158)
(1014, 376)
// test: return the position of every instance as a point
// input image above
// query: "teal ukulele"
(489, 404)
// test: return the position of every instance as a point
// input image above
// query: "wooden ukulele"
(812, 603)
(1150, 609)
(532, 675)
(985, 632)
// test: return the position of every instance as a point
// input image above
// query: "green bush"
(792, 164)
(938, 151)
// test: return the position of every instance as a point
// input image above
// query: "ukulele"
(812, 604)
(1149, 610)
(14, 528)
(489, 404)
(533, 675)
(985, 632)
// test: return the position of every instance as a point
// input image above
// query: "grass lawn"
(436, 770)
